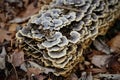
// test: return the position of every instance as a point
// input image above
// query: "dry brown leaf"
(26, 2)
(35, 71)
(90, 77)
(73, 77)
(110, 76)
(33, 7)
(97, 70)
(12, 27)
(115, 44)
(83, 76)
(23, 67)
(11, 77)
(114, 66)
(45, 70)
(30, 10)
(2, 58)
(2, 25)
(4, 35)
(2, 18)
(95, 52)
(101, 46)
(49, 78)
(81, 66)
(100, 60)
(46, 1)
(17, 58)
(41, 77)
(19, 20)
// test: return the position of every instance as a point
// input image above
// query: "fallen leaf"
(30, 10)
(97, 70)
(45, 70)
(100, 60)
(114, 65)
(94, 52)
(84, 76)
(2, 58)
(49, 78)
(89, 76)
(2, 18)
(81, 66)
(17, 58)
(12, 27)
(101, 46)
(41, 77)
(12, 77)
(73, 77)
(46, 1)
(34, 71)
(23, 67)
(26, 2)
(4, 35)
(114, 44)
(19, 20)
(110, 76)
(2, 25)
(14, 1)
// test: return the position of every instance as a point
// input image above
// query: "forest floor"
(101, 59)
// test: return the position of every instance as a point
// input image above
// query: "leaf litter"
(2, 58)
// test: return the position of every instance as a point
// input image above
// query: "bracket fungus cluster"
(57, 35)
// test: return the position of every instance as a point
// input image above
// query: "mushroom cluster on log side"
(58, 34)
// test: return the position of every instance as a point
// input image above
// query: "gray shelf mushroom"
(58, 34)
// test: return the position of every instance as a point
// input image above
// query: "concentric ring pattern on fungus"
(57, 35)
